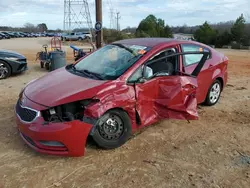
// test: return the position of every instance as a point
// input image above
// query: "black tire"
(4, 66)
(210, 101)
(80, 39)
(47, 66)
(42, 64)
(122, 134)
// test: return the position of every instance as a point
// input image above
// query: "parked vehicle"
(17, 35)
(4, 36)
(23, 34)
(27, 34)
(10, 34)
(77, 36)
(50, 34)
(117, 90)
(33, 35)
(11, 62)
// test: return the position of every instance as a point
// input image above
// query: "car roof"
(152, 42)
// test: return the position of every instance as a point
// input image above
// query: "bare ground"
(211, 152)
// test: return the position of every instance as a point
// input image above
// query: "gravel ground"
(211, 152)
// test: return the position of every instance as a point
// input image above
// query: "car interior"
(163, 67)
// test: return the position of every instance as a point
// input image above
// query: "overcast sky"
(174, 12)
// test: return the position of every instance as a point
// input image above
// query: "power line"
(112, 17)
(118, 17)
(77, 15)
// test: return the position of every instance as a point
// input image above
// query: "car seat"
(164, 66)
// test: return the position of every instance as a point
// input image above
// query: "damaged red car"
(116, 90)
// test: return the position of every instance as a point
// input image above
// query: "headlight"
(12, 58)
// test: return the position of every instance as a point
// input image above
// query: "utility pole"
(111, 18)
(69, 15)
(98, 5)
(117, 20)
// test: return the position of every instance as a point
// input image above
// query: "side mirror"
(141, 80)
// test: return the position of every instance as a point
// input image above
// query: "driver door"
(163, 96)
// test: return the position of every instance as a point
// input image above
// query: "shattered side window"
(191, 59)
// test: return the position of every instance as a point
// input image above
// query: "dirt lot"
(211, 152)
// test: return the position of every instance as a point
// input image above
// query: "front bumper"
(72, 136)
(18, 66)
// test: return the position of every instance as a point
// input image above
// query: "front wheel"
(214, 93)
(5, 70)
(113, 129)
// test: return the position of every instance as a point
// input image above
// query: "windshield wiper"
(96, 75)
(88, 73)
(122, 46)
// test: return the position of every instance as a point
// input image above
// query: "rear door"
(163, 96)
(190, 61)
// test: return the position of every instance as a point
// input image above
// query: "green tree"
(205, 34)
(153, 27)
(223, 39)
(168, 31)
(238, 29)
(42, 27)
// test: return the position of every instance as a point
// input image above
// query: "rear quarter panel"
(220, 62)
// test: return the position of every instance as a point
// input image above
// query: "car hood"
(61, 87)
(8, 53)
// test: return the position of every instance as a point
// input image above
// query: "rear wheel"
(214, 93)
(42, 64)
(113, 129)
(47, 66)
(5, 70)
(80, 39)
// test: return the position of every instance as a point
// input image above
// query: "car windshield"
(110, 61)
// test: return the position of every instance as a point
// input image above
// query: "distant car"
(10, 34)
(23, 34)
(116, 90)
(50, 34)
(18, 35)
(33, 35)
(77, 36)
(11, 62)
(5, 36)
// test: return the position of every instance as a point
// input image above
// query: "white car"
(77, 36)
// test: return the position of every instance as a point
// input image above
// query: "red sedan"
(117, 90)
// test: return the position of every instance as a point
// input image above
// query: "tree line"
(235, 33)
(28, 27)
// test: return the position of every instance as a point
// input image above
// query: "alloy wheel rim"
(112, 128)
(215, 93)
(3, 70)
